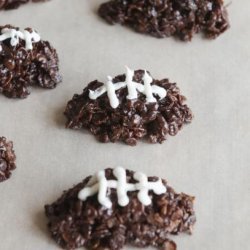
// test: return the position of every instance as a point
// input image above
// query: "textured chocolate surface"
(7, 159)
(133, 119)
(21, 68)
(74, 223)
(164, 18)
(14, 4)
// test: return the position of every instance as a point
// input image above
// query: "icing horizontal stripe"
(99, 185)
(133, 88)
(15, 35)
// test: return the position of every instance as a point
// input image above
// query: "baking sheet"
(209, 158)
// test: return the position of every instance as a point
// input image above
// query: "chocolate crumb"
(14, 4)
(21, 68)
(169, 245)
(74, 223)
(132, 119)
(164, 18)
(7, 159)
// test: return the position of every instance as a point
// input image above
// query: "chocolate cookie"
(14, 4)
(164, 18)
(26, 60)
(7, 159)
(117, 207)
(129, 107)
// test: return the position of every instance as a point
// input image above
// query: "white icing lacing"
(147, 89)
(99, 184)
(15, 35)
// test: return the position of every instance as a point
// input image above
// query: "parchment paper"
(209, 158)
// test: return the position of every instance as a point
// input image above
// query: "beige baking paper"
(209, 158)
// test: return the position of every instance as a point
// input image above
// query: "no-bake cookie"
(129, 107)
(117, 207)
(14, 4)
(7, 159)
(26, 60)
(164, 18)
